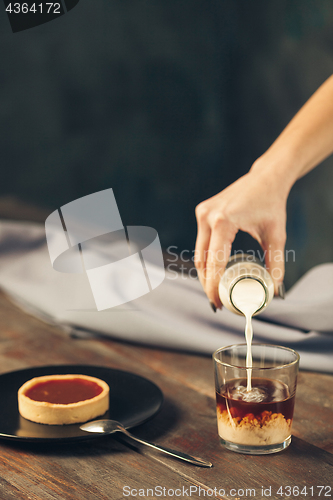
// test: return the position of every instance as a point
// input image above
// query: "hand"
(256, 204)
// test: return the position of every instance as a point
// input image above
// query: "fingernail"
(282, 291)
(213, 306)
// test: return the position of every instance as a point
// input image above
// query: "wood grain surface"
(113, 468)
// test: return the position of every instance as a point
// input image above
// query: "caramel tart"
(63, 399)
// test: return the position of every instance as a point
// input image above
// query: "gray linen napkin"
(175, 315)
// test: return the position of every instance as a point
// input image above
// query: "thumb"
(275, 262)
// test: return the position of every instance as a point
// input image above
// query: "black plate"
(133, 400)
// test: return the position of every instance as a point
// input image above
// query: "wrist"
(280, 166)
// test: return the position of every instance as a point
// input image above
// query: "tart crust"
(43, 412)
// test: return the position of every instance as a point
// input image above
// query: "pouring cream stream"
(248, 295)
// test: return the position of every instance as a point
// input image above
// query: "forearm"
(305, 142)
(256, 203)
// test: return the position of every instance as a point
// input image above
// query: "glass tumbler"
(256, 421)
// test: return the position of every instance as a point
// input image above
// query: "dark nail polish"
(281, 291)
(213, 306)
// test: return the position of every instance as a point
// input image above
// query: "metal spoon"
(111, 426)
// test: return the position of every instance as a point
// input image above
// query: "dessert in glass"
(255, 418)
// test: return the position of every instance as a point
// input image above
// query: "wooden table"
(112, 469)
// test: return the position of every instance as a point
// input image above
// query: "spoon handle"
(174, 453)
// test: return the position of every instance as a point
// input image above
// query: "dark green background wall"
(167, 102)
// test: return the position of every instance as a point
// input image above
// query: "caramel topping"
(64, 391)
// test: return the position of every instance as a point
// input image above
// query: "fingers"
(202, 243)
(213, 247)
(222, 236)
